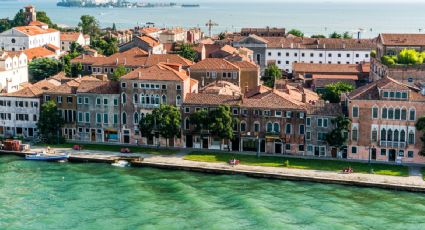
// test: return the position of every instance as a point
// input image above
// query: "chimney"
(140, 74)
(125, 61)
(303, 97)
(116, 61)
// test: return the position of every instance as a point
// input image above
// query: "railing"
(393, 144)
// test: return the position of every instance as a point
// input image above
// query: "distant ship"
(190, 5)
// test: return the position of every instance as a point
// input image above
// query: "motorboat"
(46, 157)
(121, 163)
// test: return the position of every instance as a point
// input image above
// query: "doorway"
(126, 136)
(235, 144)
(278, 147)
(391, 155)
(189, 141)
(93, 135)
(205, 143)
(373, 154)
(334, 152)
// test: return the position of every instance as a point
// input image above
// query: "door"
(30, 132)
(373, 154)
(189, 141)
(391, 155)
(205, 143)
(278, 148)
(150, 139)
(70, 134)
(93, 135)
(235, 144)
(316, 151)
(334, 152)
(126, 136)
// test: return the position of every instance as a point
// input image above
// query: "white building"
(284, 51)
(27, 37)
(67, 38)
(13, 71)
(19, 111)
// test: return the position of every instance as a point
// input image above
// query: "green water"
(39, 195)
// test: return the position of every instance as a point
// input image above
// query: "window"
(412, 115)
(354, 149)
(309, 148)
(321, 136)
(410, 154)
(105, 118)
(279, 54)
(288, 147)
(383, 152)
(355, 111)
(308, 135)
(59, 99)
(354, 134)
(384, 113)
(308, 121)
(374, 112)
(178, 100)
(386, 94)
(403, 114)
(243, 126)
(186, 123)
(269, 127)
(270, 54)
(401, 153)
(374, 135)
(136, 118)
(136, 98)
(105, 101)
(135, 85)
(115, 101)
(115, 118)
(276, 127)
(124, 118)
(402, 136)
(288, 129)
(411, 137)
(390, 113)
(86, 100)
(123, 84)
(98, 101)
(301, 129)
(87, 117)
(98, 118)
(179, 87)
(235, 111)
(123, 98)
(256, 127)
(187, 109)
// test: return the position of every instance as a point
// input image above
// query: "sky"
(262, 1)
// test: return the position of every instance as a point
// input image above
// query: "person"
(48, 149)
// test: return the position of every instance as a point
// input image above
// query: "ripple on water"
(36, 195)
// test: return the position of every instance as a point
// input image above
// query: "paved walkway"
(415, 178)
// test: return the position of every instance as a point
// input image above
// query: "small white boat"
(121, 163)
(46, 157)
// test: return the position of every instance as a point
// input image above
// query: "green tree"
(221, 122)
(200, 119)
(5, 25)
(347, 35)
(318, 36)
(335, 35)
(42, 68)
(271, 73)
(42, 17)
(168, 118)
(388, 60)
(420, 125)
(333, 91)
(76, 69)
(147, 125)
(118, 73)
(188, 52)
(19, 19)
(89, 25)
(107, 46)
(50, 123)
(337, 137)
(296, 32)
(373, 53)
(221, 36)
(410, 57)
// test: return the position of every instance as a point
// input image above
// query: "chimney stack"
(140, 74)
(116, 61)
(303, 97)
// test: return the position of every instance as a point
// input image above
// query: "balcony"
(392, 144)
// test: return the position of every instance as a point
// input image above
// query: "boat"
(190, 5)
(121, 163)
(46, 157)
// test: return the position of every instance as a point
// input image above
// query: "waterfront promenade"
(413, 182)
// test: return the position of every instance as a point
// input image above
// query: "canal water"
(41, 195)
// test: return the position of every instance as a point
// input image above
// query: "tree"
(50, 123)
(347, 35)
(168, 119)
(335, 35)
(410, 57)
(388, 60)
(114, 27)
(221, 36)
(106, 46)
(318, 36)
(42, 68)
(337, 137)
(76, 69)
(333, 91)
(89, 25)
(5, 25)
(118, 73)
(200, 119)
(296, 32)
(188, 52)
(147, 125)
(19, 19)
(221, 122)
(42, 17)
(420, 126)
(271, 73)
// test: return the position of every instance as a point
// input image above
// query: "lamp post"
(258, 147)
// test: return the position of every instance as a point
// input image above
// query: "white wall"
(15, 73)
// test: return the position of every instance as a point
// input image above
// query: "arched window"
(256, 126)
(411, 137)
(375, 112)
(383, 135)
(402, 136)
(124, 118)
(152, 99)
(390, 113)
(123, 98)
(142, 99)
(276, 127)
(157, 99)
(288, 129)
(148, 99)
(186, 123)
(403, 114)
(243, 126)
(136, 98)
(136, 118)
(164, 99)
(396, 135)
(389, 135)
(269, 127)
(412, 114)
(397, 114)
(178, 100)
(374, 135)
(384, 113)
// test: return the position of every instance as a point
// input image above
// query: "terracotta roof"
(245, 65)
(37, 23)
(326, 68)
(98, 87)
(160, 72)
(333, 77)
(402, 39)
(52, 47)
(70, 36)
(35, 90)
(148, 30)
(86, 59)
(211, 99)
(6, 54)
(214, 64)
(321, 108)
(193, 82)
(221, 88)
(34, 30)
(38, 52)
(152, 42)
(60, 77)
(154, 59)
(69, 87)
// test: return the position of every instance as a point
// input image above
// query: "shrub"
(286, 163)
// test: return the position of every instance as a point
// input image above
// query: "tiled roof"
(148, 30)
(35, 90)
(211, 99)
(38, 52)
(70, 36)
(326, 68)
(214, 64)
(321, 108)
(402, 39)
(245, 65)
(222, 88)
(37, 23)
(152, 42)
(334, 77)
(99, 87)
(52, 47)
(160, 72)
(34, 30)
(86, 59)
(154, 59)
(69, 87)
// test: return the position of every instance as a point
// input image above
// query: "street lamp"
(258, 147)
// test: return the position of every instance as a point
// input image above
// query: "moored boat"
(121, 163)
(46, 157)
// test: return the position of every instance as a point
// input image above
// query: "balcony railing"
(393, 144)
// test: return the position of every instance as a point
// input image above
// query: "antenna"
(210, 24)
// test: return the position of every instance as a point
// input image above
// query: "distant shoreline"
(74, 4)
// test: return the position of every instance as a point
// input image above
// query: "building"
(131, 59)
(46, 51)
(34, 34)
(98, 112)
(284, 51)
(145, 89)
(13, 71)
(67, 38)
(319, 122)
(317, 76)
(145, 42)
(264, 32)
(392, 44)
(20, 110)
(269, 120)
(173, 35)
(384, 114)
(244, 74)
